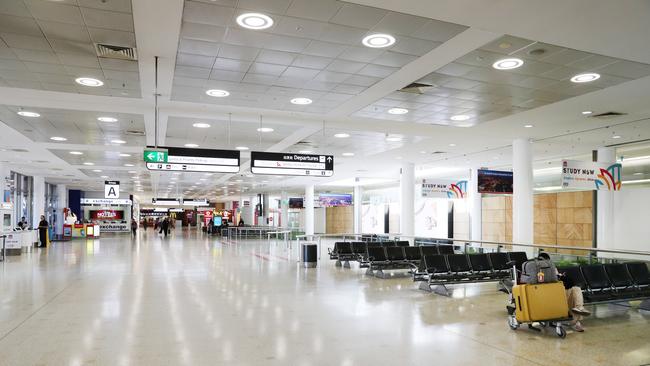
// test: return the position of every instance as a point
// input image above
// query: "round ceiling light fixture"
(86, 81)
(585, 78)
(28, 114)
(265, 129)
(201, 125)
(378, 40)
(107, 119)
(89, 163)
(342, 135)
(508, 64)
(217, 93)
(57, 138)
(301, 101)
(255, 21)
(398, 111)
(459, 117)
(586, 113)
(528, 126)
(241, 148)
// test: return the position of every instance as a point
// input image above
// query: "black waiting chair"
(619, 277)
(574, 275)
(412, 254)
(518, 258)
(445, 249)
(395, 254)
(376, 254)
(599, 287)
(499, 262)
(428, 250)
(402, 243)
(458, 263)
(480, 263)
(435, 264)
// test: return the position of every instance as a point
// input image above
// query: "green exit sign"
(155, 156)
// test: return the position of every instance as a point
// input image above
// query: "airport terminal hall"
(324, 182)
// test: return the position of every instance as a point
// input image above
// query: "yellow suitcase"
(539, 302)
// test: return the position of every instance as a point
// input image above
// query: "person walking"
(42, 231)
(134, 227)
(165, 226)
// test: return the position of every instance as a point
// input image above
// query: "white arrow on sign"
(151, 156)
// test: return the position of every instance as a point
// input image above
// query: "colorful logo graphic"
(457, 190)
(610, 178)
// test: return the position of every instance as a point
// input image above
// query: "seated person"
(574, 298)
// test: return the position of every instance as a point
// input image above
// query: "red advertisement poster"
(106, 215)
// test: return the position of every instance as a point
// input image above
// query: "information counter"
(81, 231)
(15, 241)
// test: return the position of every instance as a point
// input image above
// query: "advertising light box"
(494, 182)
(334, 199)
(292, 164)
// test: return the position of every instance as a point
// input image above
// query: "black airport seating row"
(610, 282)
(361, 251)
(466, 268)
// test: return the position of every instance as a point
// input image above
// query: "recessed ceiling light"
(348, 154)
(191, 145)
(104, 176)
(97, 170)
(459, 117)
(452, 145)
(378, 40)
(265, 129)
(132, 172)
(301, 101)
(616, 137)
(124, 155)
(585, 78)
(508, 64)
(85, 81)
(118, 142)
(201, 125)
(305, 151)
(28, 114)
(423, 152)
(57, 138)
(76, 153)
(342, 135)
(89, 163)
(218, 93)
(255, 21)
(128, 165)
(398, 111)
(242, 148)
(638, 173)
(528, 126)
(107, 119)
(587, 112)
(393, 138)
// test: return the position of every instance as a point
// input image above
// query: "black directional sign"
(181, 159)
(292, 164)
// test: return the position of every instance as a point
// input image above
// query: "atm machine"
(7, 215)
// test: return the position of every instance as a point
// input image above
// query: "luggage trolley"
(544, 304)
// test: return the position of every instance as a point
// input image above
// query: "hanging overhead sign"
(105, 201)
(292, 164)
(494, 182)
(591, 175)
(443, 188)
(179, 159)
(111, 189)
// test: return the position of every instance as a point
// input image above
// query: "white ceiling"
(314, 50)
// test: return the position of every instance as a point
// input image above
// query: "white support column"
(38, 200)
(474, 207)
(284, 208)
(309, 209)
(358, 195)
(62, 202)
(605, 207)
(407, 200)
(522, 198)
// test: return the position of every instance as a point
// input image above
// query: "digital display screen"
(295, 203)
(217, 220)
(494, 181)
(334, 199)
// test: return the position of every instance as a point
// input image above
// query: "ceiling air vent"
(417, 88)
(134, 132)
(117, 52)
(608, 115)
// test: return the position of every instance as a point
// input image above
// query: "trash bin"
(309, 255)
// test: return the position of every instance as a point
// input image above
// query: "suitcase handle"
(519, 302)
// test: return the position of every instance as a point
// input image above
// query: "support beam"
(358, 195)
(522, 198)
(407, 200)
(474, 205)
(605, 207)
(309, 209)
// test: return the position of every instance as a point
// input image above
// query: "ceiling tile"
(202, 32)
(324, 49)
(48, 10)
(196, 12)
(276, 57)
(238, 52)
(399, 24)
(112, 37)
(122, 75)
(331, 77)
(45, 68)
(259, 79)
(26, 42)
(349, 67)
(413, 46)
(64, 31)
(18, 25)
(377, 70)
(183, 81)
(286, 43)
(322, 10)
(231, 65)
(319, 85)
(244, 37)
(187, 59)
(342, 34)
(298, 27)
(267, 69)
(593, 62)
(55, 78)
(36, 56)
(107, 19)
(438, 31)
(198, 47)
(565, 57)
(627, 69)
(312, 62)
(360, 54)
(123, 6)
(78, 71)
(73, 59)
(270, 6)
(12, 65)
(393, 59)
(360, 16)
(14, 8)
(66, 46)
(349, 89)
(300, 73)
(361, 80)
(226, 75)
(507, 44)
(456, 69)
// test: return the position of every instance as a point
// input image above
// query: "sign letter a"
(111, 192)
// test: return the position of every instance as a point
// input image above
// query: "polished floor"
(193, 300)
